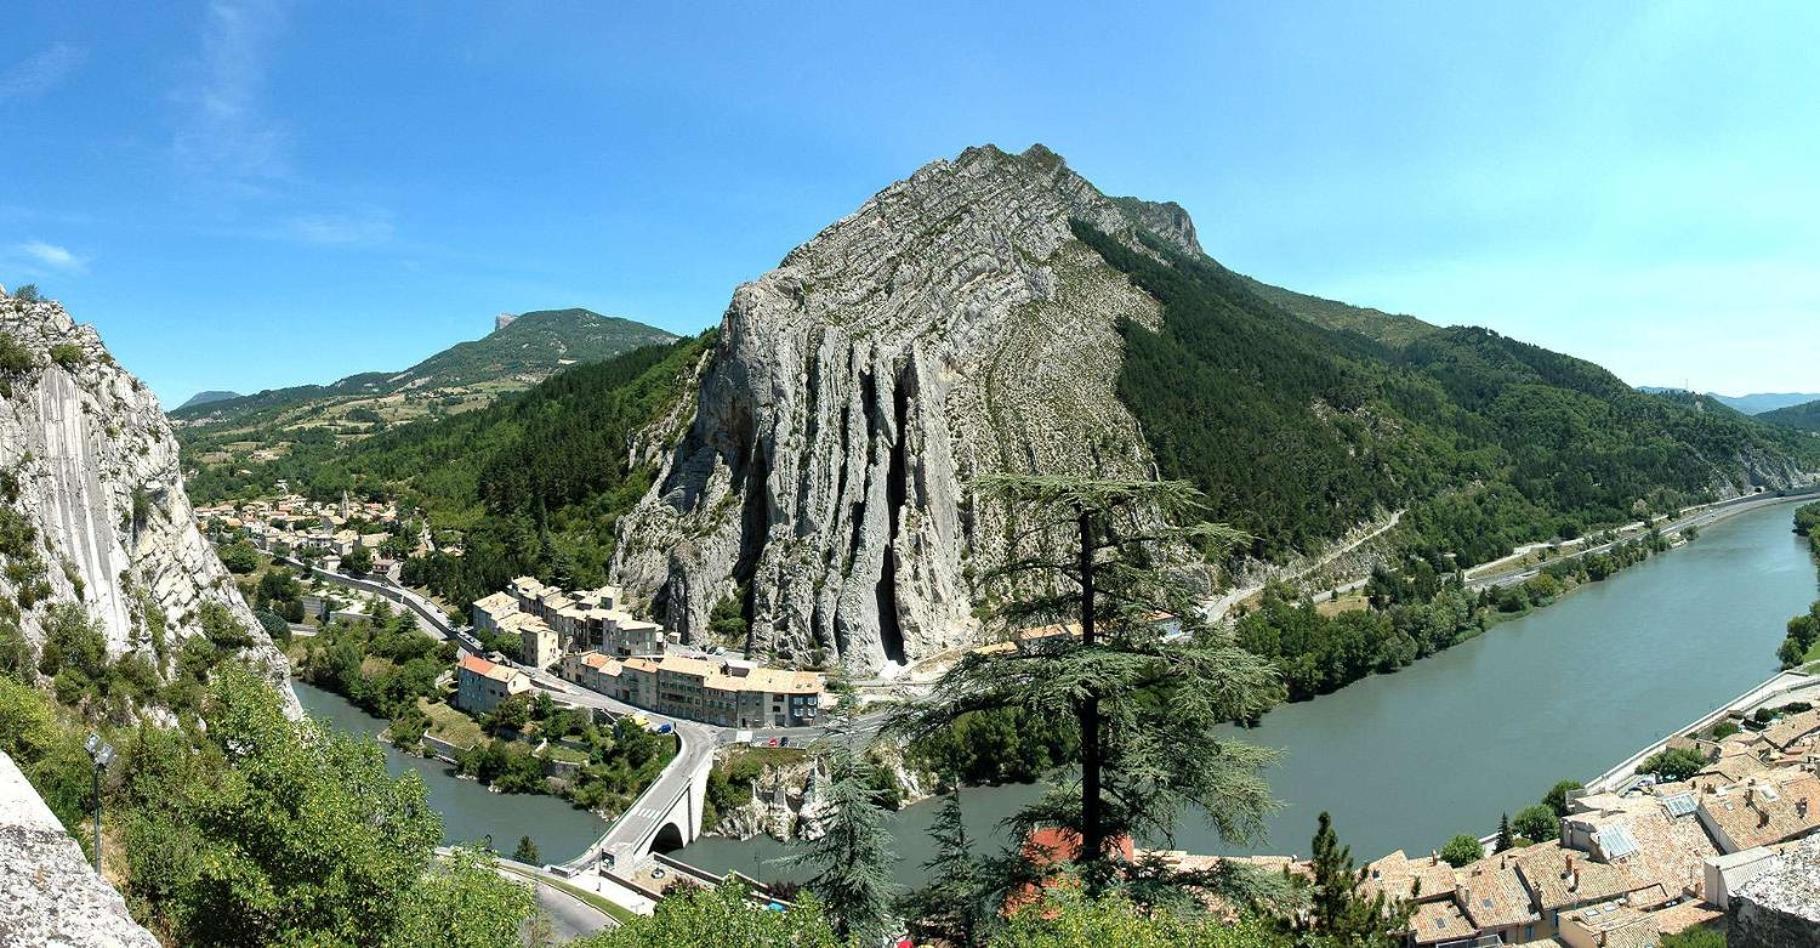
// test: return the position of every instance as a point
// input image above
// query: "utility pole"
(102, 753)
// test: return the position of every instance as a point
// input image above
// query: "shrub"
(1673, 764)
(27, 293)
(68, 355)
(1537, 823)
(1461, 850)
(239, 557)
(1556, 798)
(222, 629)
(15, 359)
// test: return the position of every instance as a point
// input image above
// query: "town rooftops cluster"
(1630, 867)
(299, 523)
(601, 646)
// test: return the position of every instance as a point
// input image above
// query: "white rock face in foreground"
(951, 327)
(51, 895)
(91, 463)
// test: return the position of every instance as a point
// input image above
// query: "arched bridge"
(668, 815)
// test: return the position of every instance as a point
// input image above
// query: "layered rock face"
(951, 327)
(90, 465)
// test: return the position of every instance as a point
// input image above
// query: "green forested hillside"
(1297, 431)
(527, 349)
(533, 484)
(1803, 417)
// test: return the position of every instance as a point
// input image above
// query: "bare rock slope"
(951, 327)
(93, 498)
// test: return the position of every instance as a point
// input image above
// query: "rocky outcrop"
(90, 467)
(783, 804)
(786, 799)
(51, 895)
(951, 327)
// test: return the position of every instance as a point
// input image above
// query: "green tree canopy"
(1462, 849)
(1143, 699)
(723, 916)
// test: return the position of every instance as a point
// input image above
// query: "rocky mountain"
(951, 327)
(207, 398)
(93, 512)
(516, 354)
(997, 312)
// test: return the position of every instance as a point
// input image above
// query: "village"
(587, 635)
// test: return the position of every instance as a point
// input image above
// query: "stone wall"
(51, 896)
(1781, 907)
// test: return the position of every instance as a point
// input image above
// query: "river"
(1405, 761)
(470, 812)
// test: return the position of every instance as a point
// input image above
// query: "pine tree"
(1505, 841)
(1338, 910)
(527, 851)
(851, 859)
(953, 905)
(1144, 699)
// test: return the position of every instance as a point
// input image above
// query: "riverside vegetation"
(1802, 645)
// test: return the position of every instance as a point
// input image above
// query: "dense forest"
(533, 484)
(1803, 417)
(1297, 432)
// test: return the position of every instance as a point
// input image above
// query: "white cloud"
(222, 126)
(345, 229)
(41, 72)
(51, 255)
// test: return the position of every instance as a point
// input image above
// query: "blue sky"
(251, 194)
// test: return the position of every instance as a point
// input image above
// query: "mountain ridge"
(206, 397)
(553, 338)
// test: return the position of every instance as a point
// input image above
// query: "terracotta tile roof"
(1560, 878)
(1436, 922)
(1493, 895)
(486, 669)
(1399, 877)
(1679, 918)
(782, 681)
(1789, 730)
(1765, 810)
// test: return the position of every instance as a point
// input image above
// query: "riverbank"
(470, 812)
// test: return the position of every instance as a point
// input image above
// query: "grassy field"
(448, 724)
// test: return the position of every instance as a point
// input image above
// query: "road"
(1707, 516)
(570, 917)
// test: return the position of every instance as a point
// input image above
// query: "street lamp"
(102, 753)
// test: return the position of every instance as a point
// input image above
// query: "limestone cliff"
(94, 503)
(951, 327)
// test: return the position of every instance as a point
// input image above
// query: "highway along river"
(1405, 761)
(470, 812)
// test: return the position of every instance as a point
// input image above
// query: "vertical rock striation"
(951, 327)
(90, 464)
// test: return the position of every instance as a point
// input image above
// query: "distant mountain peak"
(520, 350)
(204, 398)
